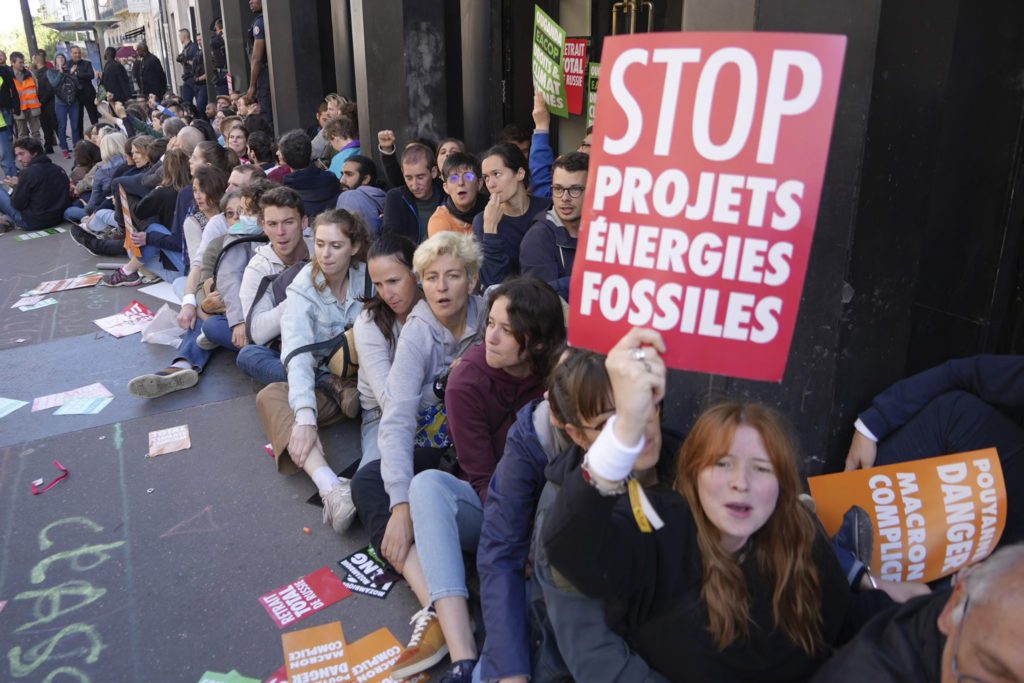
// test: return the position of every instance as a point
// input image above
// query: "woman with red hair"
(724, 576)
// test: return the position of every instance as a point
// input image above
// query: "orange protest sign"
(931, 517)
(129, 226)
(316, 654)
(371, 657)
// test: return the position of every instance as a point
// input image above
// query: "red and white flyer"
(307, 595)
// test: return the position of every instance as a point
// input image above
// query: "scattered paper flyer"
(163, 291)
(86, 280)
(129, 321)
(316, 654)
(230, 677)
(169, 440)
(363, 570)
(38, 304)
(96, 390)
(36, 234)
(9, 405)
(370, 658)
(28, 300)
(308, 595)
(84, 406)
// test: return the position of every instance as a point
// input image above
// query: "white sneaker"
(338, 508)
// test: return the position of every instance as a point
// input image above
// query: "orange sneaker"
(426, 647)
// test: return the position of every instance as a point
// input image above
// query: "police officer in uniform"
(219, 56)
(259, 77)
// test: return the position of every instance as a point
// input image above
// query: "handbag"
(342, 359)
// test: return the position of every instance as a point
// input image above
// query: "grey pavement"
(135, 568)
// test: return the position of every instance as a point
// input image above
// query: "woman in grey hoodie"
(412, 431)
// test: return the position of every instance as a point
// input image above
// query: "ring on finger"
(639, 354)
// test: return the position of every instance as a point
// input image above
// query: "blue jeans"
(7, 143)
(151, 256)
(262, 364)
(368, 436)
(102, 221)
(216, 330)
(65, 112)
(73, 214)
(7, 209)
(446, 519)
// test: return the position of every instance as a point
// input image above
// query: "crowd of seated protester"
(424, 298)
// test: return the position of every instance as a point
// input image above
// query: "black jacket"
(8, 91)
(547, 252)
(42, 194)
(651, 585)
(44, 89)
(902, 643)
(318, 188)
(85, 74)
(400, 214)
(115, 80)
(149, 72)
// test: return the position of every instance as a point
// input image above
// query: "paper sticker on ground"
(316, 654)
(9, 405)
(305, 596)
(28, 300)
(38, 304)
(36, 234)
(83, 406)
(169, 440)
(931, 517)
(129, 321)
(96, 390)
(362, 569)
(86, 280)
(370, 658)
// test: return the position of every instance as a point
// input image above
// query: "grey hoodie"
(368, 202)
(425, 349)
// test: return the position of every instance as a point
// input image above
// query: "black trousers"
(48, 120)
(956, 422)
(371, 500)
(87, 102)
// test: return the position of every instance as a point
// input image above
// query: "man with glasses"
(549, 246)
(969, 634)
(461, 182)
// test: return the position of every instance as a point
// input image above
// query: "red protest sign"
(308, 595)
(705, 179)
(574, 67)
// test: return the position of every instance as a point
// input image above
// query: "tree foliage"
(46, 38)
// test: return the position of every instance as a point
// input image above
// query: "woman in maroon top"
(488, 385)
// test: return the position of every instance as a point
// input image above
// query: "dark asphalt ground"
(105, 581)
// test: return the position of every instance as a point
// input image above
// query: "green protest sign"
(548, 77)
(593, 70)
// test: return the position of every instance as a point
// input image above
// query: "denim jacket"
(311, 316)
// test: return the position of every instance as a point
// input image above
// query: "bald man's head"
(983, 621)
(188, 138)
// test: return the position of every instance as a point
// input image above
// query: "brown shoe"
(426, 646)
